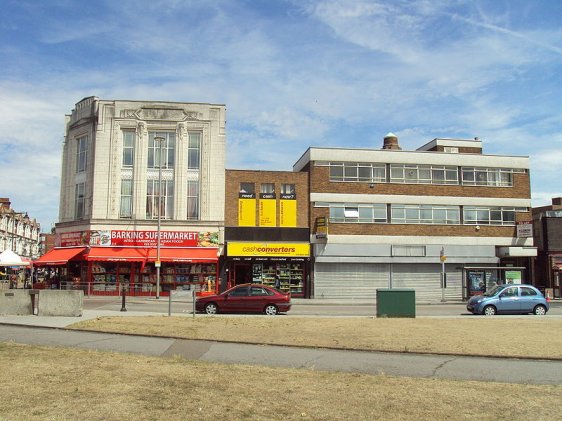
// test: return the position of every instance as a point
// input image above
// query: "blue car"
(509, 299)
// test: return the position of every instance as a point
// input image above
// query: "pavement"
(53, 331)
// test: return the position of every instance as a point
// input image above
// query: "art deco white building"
(142, 183)
(111, 170)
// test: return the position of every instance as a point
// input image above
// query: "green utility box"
(396, 302)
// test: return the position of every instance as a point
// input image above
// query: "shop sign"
(126, 238)
(321, 227)
(269, 249)
(524, 229)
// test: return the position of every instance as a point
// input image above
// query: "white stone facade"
(100, 170)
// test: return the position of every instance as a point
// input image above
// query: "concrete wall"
(60, 303)
(15, 302)
(18, 302)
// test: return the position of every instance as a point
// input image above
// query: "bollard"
(123, 300)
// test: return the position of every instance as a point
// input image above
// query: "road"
(395, 364)
(300, 307)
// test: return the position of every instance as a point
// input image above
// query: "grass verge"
(43, 383)
(524, 337)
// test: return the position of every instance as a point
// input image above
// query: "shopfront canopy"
(58, 256)
(118, 254)
(9, 258)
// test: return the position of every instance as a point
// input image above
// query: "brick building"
(266, 230)
(547, 233)
(392, 218)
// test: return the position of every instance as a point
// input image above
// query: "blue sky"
(292, 74)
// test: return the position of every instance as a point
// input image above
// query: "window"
(239, 292)
(259, 291)
(358, 213)
(481, 215)
(126, 208)
(527, 292)
(193, 200)
(247, 188)
(79, 210)
(81, 153)
(287, 189)
(166, 146)
(493, 177)
(356, 171)
(267, 188)
(425, 214)
(128, 148)
(423, 174)
(166, 199)
(509, 292)
(194, 151)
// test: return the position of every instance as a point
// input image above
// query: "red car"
(246, 298)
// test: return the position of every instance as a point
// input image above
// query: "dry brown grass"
(518, 337)
(41, 383)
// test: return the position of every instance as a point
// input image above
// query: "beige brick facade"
(278, 178)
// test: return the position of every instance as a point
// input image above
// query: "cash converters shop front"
(111, 261)
(285, 266)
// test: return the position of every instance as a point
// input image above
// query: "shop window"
(473, 215)
(282, 276)
(126, 208)
(153, 197)
(247, 188)
(267, 188)
(128, 148)
(287, 189)
(161, 149)
(81, 154)
(351, 212)
(80, 192)
(193, 200)
(194, 151)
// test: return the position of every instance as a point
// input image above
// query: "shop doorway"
(242, 274)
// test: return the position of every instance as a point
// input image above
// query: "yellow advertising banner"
(288, 213)
(246, 212)
(268, 212)
(269, 249)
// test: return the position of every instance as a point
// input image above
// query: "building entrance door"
(242, 274)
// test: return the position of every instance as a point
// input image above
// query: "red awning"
(188, 255)
(118, 254)
(58, 256)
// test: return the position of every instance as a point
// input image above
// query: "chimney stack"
(391, 142)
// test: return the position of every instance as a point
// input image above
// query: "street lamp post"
(160, 140)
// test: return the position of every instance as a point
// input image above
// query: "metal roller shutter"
(349, 280)
(425, 279)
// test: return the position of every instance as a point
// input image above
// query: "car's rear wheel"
(489, 311)
(271, 310)
(211, 308)
(540, 310)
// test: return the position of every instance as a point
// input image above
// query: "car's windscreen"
(494, 290)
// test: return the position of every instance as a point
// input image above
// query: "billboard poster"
(268, 212)
(246, 210)
(288, 213)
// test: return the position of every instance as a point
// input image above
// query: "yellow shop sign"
(269, 249)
